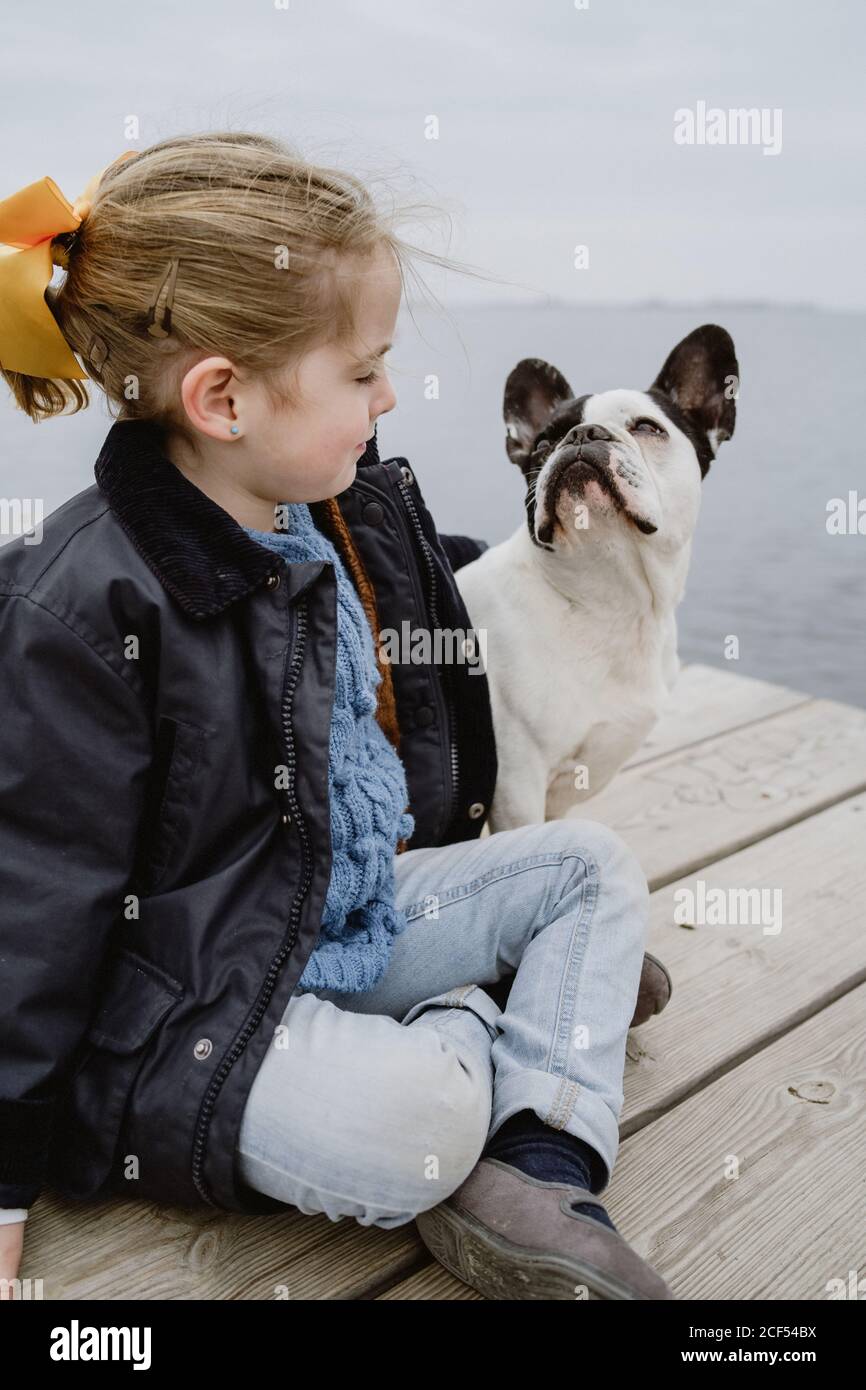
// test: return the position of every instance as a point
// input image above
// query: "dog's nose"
(582, 434)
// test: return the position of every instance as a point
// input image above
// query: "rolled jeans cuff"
(563, 1104)
(470, 997)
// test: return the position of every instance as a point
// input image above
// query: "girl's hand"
(11, 1246)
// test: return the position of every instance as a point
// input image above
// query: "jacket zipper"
(207, 1105)
(434, 613)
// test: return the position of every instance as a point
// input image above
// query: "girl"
(248, 913)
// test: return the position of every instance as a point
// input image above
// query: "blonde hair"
(228, 212)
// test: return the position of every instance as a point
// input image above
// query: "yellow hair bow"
(30, 338)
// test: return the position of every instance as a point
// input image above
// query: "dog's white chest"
(574, 690)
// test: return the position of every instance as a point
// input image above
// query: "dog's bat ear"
(532, 392)
(702, 377)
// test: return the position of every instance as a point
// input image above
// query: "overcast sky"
(555, 126)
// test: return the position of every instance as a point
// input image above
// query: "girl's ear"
(207, 390)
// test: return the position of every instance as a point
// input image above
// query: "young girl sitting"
(247, 911)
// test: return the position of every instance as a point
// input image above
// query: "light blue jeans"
(378, 1105)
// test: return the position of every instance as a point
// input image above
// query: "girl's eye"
(645, 425)
(368, 379)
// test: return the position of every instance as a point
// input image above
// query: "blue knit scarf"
(367, 786)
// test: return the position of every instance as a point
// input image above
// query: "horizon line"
(553, 302)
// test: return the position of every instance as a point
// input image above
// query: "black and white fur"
(580, 641)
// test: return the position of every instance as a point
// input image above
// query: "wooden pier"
(741, 1172)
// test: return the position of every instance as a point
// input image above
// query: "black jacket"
(160, 891)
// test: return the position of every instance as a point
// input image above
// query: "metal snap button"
(469, 647)
(272, 581)
(373, 514)
(476, 809)
(202, 1049)
(408, 475)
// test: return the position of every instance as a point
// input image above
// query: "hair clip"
(162, 329)
(97, 353)
(61, 245)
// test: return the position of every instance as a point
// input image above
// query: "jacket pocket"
(176, 760)
(137, 997)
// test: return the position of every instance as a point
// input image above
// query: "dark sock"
(552, 1155)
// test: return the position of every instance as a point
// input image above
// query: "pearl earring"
(234, 429)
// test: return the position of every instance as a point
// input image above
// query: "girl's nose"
(386, 399)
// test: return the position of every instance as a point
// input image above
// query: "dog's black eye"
(644, 425)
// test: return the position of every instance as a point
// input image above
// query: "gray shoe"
(512, 1236)
(654, 991)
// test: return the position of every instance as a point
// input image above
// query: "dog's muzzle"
(582, 456)
(590, 454)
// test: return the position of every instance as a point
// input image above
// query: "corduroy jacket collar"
(202, 556)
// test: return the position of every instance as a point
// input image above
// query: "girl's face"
(302, 453)
(312, 451)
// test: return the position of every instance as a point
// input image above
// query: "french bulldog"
(576, 610)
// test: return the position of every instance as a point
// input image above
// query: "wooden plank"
(737, 987)
(121, 1250)
(432, 1284)
(707, 701)
(692, 807)
(795, 1217)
